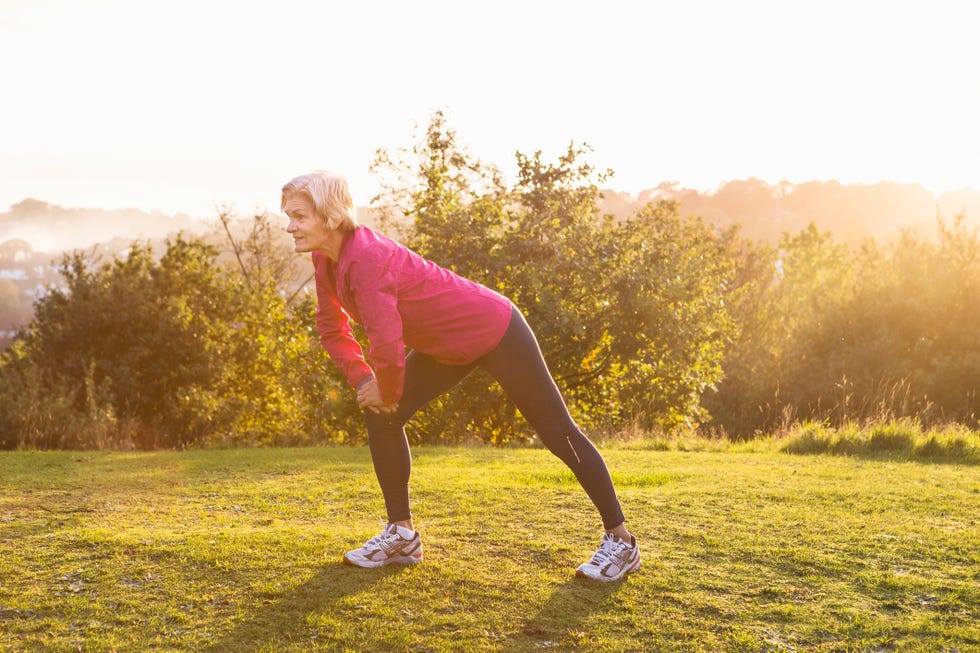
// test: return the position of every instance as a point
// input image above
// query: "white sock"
(406, 533)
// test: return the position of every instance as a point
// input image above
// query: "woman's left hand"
(369, 397)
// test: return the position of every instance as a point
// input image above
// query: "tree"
(906, 342)
(630, 315)
(141, 330)
(457, 211)
(173, 351)
(781, 294)
(9, 300)
(830, 333)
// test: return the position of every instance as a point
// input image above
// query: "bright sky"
(183, 105)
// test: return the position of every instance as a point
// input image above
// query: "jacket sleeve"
(336, 336)
(375, 285)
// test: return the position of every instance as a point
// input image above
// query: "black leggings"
(517, 364)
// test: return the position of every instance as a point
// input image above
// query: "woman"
(451, 325)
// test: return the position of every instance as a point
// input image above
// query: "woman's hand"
(369, 397)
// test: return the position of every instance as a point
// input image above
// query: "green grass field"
(743, 550)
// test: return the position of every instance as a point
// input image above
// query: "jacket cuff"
(391, 382)
(357, 381)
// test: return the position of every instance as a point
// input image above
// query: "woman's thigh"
(518, 365)
(426, 379)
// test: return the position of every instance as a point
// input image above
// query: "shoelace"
(606, 550)
(383, 542)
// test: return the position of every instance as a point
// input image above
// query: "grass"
(744, 550)
(902, 438)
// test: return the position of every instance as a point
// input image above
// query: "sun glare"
(179, 109)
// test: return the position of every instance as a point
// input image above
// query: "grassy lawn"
(239, 550)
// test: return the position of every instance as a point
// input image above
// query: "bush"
(877, 335)
(630, 315)
(810, 438)
(893, 438)
(171, 352)
(900, 438)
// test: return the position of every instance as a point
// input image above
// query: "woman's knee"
(382, 424)
(570, 445)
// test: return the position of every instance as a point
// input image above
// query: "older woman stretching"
(451, 325)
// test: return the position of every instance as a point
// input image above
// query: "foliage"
(141, 330)
(886, 332)
(670, 323)
(651, 322)
(629, 314)
(907, 341)
(146, 353)
(902, 439)
(777, 296)
(457, 211)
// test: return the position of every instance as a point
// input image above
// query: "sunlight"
(181, 108)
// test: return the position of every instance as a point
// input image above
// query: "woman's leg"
(425, 379)
(519, 367)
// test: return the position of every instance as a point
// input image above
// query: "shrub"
(171, 352)
(809, 438)
(892, 437)
(899, 438)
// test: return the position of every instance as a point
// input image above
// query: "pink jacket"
(402, 300)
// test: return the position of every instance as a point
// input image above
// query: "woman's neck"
(335, 242)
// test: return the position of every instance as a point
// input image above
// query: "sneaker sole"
(609, 579)
(372, 564)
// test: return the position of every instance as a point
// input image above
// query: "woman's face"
(308, 231)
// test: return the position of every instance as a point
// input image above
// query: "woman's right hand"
(369, 397)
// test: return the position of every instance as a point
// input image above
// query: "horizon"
(851, 212)
(632, 195)
(182, 107)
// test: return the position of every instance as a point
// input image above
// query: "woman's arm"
(336, 335)
(375, 288)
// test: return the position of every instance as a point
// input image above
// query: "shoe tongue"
(612, 542)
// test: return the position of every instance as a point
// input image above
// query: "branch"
(235, 247)
(290, 299)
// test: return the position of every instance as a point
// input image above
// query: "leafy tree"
(781, 294)
(143, 329)
(175, 351)
(671, 325)
(906, 342)
(829, 333)
(615, 305)
(455, 203)
(456, 208)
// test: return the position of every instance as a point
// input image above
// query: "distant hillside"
(53, 228)
(851, 212)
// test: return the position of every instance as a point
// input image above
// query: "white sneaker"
(387, 548)
(614, 559)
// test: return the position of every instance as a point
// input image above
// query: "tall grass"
(904, 438)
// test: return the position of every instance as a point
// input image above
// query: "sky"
(184, 106)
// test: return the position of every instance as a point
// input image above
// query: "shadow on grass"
(561, 621)
(285, 616)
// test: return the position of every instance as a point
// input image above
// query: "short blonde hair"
(331, 198)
